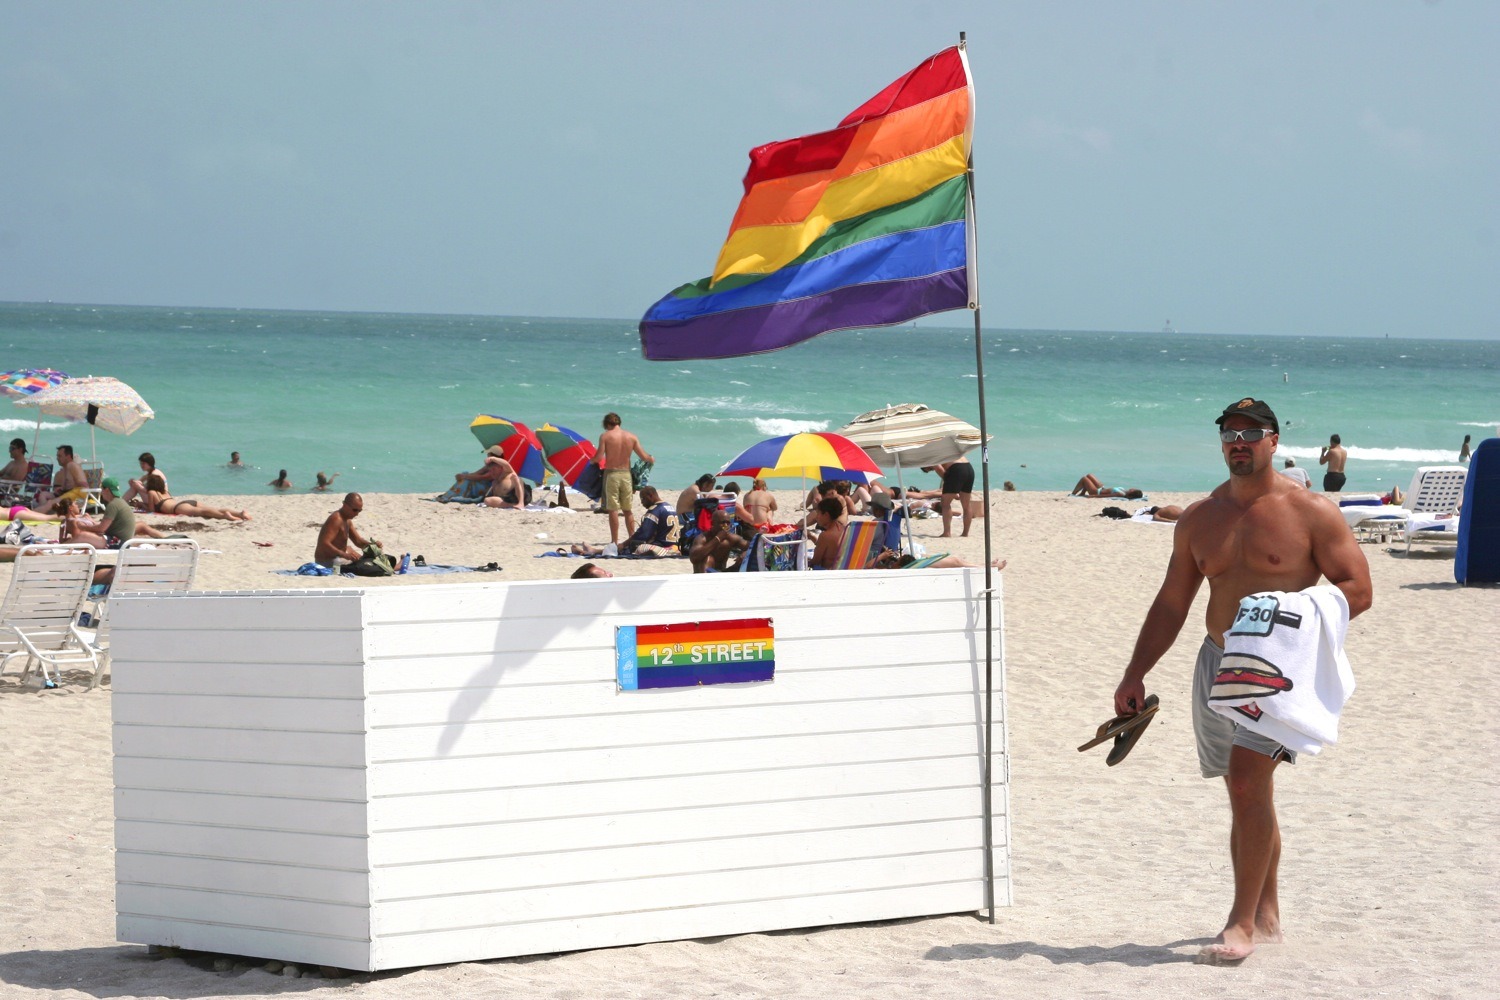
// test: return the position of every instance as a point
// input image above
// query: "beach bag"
(373, 563)
(17, 533)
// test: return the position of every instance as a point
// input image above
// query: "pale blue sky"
(1269, 167)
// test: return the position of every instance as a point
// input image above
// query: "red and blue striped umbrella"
(25, 381)
(568, 452)
(518, 444)
(811, 455)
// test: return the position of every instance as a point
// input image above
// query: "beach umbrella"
(911, 435)
(28, 381)
(518, 444)
(812, 455)
(105, 403)
(568, 452)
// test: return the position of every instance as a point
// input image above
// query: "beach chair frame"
(39, 617)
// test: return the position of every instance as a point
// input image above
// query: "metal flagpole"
(986, 792)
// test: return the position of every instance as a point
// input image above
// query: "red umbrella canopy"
(810, 455)
(568, 452)
(518, 444)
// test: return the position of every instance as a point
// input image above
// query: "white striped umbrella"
(912, 435)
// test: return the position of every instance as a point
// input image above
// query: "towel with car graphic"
(1284, 673)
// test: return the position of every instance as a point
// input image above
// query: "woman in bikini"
(159, 502)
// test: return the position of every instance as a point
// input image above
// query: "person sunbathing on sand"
(158, 501)
(891, 559)
(1089, 486)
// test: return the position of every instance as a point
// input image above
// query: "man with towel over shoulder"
(1258, 531)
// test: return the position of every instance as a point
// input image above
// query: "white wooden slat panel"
(555, 902)
(311, 715)
(609, 930)
(330, 647)
(429, 671)
(247, 812)
(733, 593)
(824, 785)
(288, 780)
(652, 860)
(277, 912)
(270, 846)
(209, 676)
(596, 798)
(295, 610)
(253, 942)
(204, 743)
(464, 738)
(602, 696)
(671, 825)
(322, 885)
(566, 765)
(523, 634)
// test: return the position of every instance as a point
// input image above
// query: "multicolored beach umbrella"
(27, 381)
(867, 224)
(517, 443)
(811, 455)
(568, 452)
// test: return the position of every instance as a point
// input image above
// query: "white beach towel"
(1284, 673)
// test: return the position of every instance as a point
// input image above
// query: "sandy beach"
(1389, 880)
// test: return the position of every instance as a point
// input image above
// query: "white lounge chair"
(93, 477)
(1435, 489)
(145, 566)
(39, 618)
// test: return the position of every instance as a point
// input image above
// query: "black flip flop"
(1125, 730)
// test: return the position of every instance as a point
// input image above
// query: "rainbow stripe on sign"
(689, 654)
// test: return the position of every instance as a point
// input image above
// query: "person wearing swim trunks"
(1257, 531)
(616, 445)
(69, 484)
(1333, 455)
(15, 471)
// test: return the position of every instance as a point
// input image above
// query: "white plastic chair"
(39, 618)
(145, 566)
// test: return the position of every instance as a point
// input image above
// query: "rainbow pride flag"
(864, 225)
(689, 654)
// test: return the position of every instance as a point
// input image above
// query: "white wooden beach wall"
(415, 775)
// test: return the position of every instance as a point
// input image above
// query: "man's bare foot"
(1231, 947)
(1268, 930)
(999, 563)
(945, 535)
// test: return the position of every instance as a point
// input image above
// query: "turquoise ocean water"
(385, 400)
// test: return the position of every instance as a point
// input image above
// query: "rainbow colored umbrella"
(517, 443)
(568, 452)
(820, 455)
(25, 381)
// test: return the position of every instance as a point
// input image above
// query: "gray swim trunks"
(1217, 733)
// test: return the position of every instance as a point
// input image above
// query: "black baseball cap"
(1255, 409)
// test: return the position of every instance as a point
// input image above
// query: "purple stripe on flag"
(780, 324)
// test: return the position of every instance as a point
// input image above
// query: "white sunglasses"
(1252, 434)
